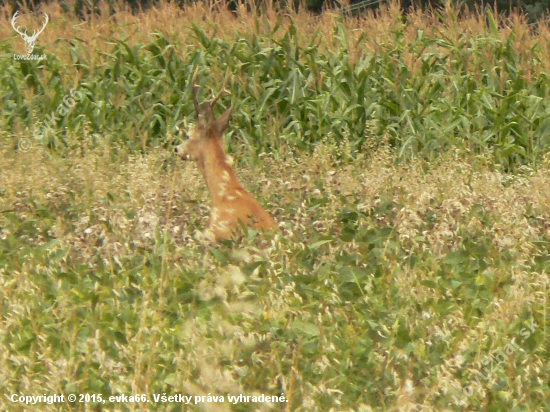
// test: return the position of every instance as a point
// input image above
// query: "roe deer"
(231, 202)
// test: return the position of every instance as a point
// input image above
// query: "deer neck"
(218, 174)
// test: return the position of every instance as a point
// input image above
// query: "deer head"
(207, 129)
(30, 41)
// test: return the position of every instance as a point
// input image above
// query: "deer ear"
(222, 122)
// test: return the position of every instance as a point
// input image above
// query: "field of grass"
(405, 161)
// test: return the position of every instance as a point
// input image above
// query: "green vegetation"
(406, 163)
(426, 90)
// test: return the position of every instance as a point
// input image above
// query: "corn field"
(424, 90)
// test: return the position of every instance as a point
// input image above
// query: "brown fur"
(231, 202)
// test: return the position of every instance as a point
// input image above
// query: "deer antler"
(36, 33)
(205, 111)
(13, 24)
(223, 91)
